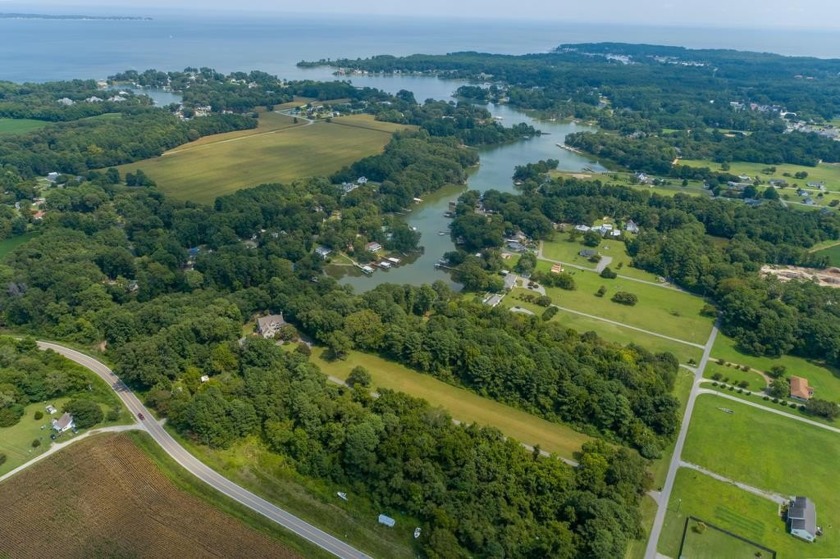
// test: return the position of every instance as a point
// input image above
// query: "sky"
(817, 14)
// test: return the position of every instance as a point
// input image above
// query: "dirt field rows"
(104, 497)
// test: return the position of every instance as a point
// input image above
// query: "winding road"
(197, 468)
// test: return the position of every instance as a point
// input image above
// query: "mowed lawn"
(833, 253)
(608, 331)
(771, 452)
(664, 310)
(276, 152)
(824, 381)
(462, 404)
(10, 244)
(736, 375)
(9, 126)
(829, 173)
(561, 248)
(733, 509)
(16, 441)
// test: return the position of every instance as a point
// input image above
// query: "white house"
(631, 227)
(267, 326)
(64, 423)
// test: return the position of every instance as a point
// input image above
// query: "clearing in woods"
(105, 497)
(278, 150)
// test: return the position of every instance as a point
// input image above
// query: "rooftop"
(799, 388)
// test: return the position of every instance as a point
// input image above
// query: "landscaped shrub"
(775, 400)
(2, 458)
(544, 301)
(740, 390)
(36, 443)
(601, 291)
(793, 405)
(766, 398)
(549, 313)
(607, 273)
(39, 415)
(714, 383)
(625, 298)
(743, 384)
(721, 362)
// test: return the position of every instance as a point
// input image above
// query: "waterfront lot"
(277, 151)
(770, 452)
(461, 404)
(663, 310)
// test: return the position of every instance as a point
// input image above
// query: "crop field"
(608, 331)
(277, 151)
(750, 516)
(771, 452)
(824, 380)
(461, 404)
(104, 497)
(9, 126)
(663, 310)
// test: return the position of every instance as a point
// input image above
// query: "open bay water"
(44, 50)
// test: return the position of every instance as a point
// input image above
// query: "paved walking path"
(665, 496)
(775, 497)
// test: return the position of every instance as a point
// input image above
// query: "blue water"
(42, 50)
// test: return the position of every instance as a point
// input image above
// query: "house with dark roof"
(799, 389)
(802, 517)
(588, 253)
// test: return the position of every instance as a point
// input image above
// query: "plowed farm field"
(104, 497)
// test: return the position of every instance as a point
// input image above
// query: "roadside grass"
(271, 476)
(461, 404)
(736, 375)
(769, 452)
(730, 508)
(568, 251)
(611, 332)
(666, 311)
(824, 380)
(279, 152)
(10, 126)
(188, 483)
(10, 244)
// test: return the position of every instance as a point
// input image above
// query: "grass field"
(104, 497)
(825, 381)
(9, 126)
(16, 441)
(705, 542)
(770, 452)
(730, 508)
(10, 244)
(833, 253)
(663, 310)
(270, 476)
(277, 151)
(462, 404)
(829, 173)
(611, 332)
(566, 251)
(735, 375)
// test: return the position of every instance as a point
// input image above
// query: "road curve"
(197, 468)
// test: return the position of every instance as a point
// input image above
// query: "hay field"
(277, 151)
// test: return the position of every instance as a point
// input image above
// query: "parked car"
(141, 416)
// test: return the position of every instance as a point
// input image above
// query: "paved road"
(665, 496)
(775, 497)
(203, 472)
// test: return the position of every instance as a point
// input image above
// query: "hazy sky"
(725, 13)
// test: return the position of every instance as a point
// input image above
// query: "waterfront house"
(373, 247)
